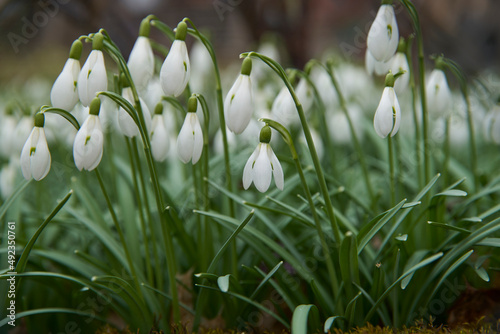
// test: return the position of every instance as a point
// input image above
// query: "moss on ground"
(420, 327)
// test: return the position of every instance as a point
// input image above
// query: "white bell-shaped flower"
(190, 139)
(64, 93)
(388, 115)
(262, 165)
(126, 122)
(399, 63)
(375, 67)
(89, 141)
(141, 62)
(283, 109)
(35, 156)
(383, 36)
(176, 69)
(438, 92)
(92, 78)
(305, 94)
(160, 141)
(239, 102)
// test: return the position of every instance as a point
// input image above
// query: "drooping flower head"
(437, 90)
(141, 60)
(35, 156)
(92, 78)
(176, 69)
(64, 93)
(239, 103)
(399, 63)
(262, 165)
(160, 141)
(126, 123)
(388, 115)
(89, 141)
(190, 139)
(383, 36)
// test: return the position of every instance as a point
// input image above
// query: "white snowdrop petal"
(64, 93)
(198, 138)
(383, 36)
(176, 69)
(92, 77)
(141, 63)
(40, 160)
(277, 170)
(185, 142)
(262, 172)
(25, 156)
(241, 106)
(159, 138)
(383, 120)
(248, 170)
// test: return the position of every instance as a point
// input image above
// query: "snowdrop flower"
(88, 145)
(160, 142)
(388, 115)
(239, 104)
(399, 63)
(262, 165)
(92, 78)
(35, 156)
(383, 36)
(190, 139)
(141, 60)
(283, 109)
(175, 71)
(127, 125)
(373, 66)
(8, 178)
(438, 92)
(304, 94)
(64, 93)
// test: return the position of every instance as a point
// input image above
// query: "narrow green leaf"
(369, 231)
(46, 310)
(305, 319)
(348, 259)
(21, 264)
(18, 191)
(408, 272)
(491, 242)
(482, 273)
(351, 308)
(329, 322)
(452, 193)
(266, 279)
(449, 227)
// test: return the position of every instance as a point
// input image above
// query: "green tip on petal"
(39, 119)
(246, 67)
(389, 79)
(192, 104)
(387, 2)
(144, 28)
(265, 134)
(95, 106)
(76, 50)
(159, 109)
(97, 41)
(181, 31)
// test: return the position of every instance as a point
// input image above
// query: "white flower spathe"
(88, 145)
(388, 115)
(383, 37)
(190, 139)
(239, 104)
(399, 63)
(438, 92)
(141, 63)
(64, 93)
(260, 168)
(92, 78)
(160, 141)
(176, 69)
(126, 122)
(35, 156)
